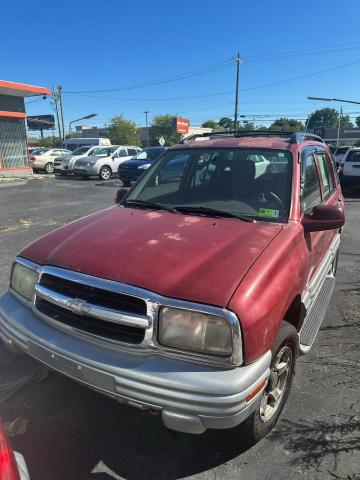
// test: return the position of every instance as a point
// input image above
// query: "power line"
(200, 71)
(299, 77)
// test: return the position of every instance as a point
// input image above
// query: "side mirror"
(120, 194)
(323, 217)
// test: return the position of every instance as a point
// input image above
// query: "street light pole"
(325, 99)
(238, 60)
(147, 128)
(91, 115)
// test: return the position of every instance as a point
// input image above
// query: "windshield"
(254, 183)
(39, 151)
(149, 154)
(104, 152)
(80, 151)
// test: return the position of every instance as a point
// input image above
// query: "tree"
(357, 121)
(123, 132)
(227, 123)
(287, 124)
(210, 124)
(247, 126)
(162, 126)
(328, 118)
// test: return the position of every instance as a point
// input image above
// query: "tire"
(105, 173)
(126, 183)
(264, 418)
(49, 167)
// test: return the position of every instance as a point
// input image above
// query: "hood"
(193, 258)
(133, 163)
(66, 157)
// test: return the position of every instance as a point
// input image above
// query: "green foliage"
(210, 124)
(43, 142)
(247, 126)
(123, 132)
(227, 123)
(162, 126)
(328, 118)
(357, 121)
(287, 124)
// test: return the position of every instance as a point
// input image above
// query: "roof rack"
(294, 137)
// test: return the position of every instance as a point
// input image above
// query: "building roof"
(21, 89)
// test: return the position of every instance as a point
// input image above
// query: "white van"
(74, 143)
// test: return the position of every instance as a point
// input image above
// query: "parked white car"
(43, 159)
(349, 168)
(65, 164)
(105, 162)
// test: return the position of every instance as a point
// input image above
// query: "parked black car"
(131, 170)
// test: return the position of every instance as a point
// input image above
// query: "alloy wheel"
(277, 383)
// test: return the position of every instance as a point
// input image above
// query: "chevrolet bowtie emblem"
(78, 306)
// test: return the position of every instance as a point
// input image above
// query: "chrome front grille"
(91, 306)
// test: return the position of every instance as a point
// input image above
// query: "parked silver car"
(105, 162)
(64, 165)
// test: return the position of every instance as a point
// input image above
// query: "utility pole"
(339, 125)
(147, 128)
(238, 60)
(55, 101)
(61, 110)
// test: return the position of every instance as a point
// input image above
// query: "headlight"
(195, 331)
(144, 167)
(23, 281)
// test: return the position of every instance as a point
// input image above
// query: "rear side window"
(325, 174)
(353, 157)
(311, 195)
(132, 151)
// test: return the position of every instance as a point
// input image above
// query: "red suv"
(193, 295)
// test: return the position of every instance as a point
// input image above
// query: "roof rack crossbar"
(294, 137)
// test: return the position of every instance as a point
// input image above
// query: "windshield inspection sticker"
(268, 212)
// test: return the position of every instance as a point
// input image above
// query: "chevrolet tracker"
(193, 295)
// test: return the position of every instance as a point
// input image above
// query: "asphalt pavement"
(74, 433)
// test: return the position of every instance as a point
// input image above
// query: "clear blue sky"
(87, 45)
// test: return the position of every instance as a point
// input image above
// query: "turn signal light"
(256, 391)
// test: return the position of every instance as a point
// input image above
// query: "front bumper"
(85, 170)
(128, 175)
(191, 397)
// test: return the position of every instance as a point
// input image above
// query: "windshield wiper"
(212, 212)
(143, 203)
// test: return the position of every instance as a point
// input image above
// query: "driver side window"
(311, 194)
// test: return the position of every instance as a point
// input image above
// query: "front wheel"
(105, 173)
(274, 396)
(49, 167)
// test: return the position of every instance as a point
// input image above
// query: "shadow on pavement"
(70, 435)
(313, 442)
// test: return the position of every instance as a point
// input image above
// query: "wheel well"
(107, 166)
(295, 313)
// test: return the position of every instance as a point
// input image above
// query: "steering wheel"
(277, 200)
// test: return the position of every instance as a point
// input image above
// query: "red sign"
(181, 125)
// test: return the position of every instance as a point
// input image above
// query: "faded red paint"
(255, 270)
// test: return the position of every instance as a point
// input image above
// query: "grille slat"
(112, 331)
(96, 296)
